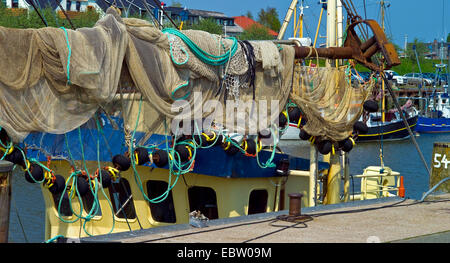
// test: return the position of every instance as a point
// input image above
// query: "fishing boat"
(437, 118)
(393, 128)
(105, 129)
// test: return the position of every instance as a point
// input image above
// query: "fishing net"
(331, 102)
(180, 70)
(54, 79)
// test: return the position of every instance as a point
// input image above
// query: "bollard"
(5, 198)
(295, 204)
(295, 210)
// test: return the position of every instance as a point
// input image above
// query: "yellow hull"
(232, 195)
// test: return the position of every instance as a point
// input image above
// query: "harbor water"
(27, 220)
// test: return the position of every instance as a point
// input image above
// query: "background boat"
(437, 119)
(392, 129)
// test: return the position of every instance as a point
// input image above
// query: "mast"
(287, 18)
(383, 97)
(334, 173)
(299, 26)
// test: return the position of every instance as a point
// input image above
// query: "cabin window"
(68, 5)
(15, 3)
(204, 200)
(88, 202)
(122, 199)
(257, 202)
(163, 211)
(78, 6)
(64, 209)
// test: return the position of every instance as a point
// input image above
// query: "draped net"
(54, 80)
(53, 83)
(331, 102)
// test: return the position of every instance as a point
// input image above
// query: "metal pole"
(346, 165)
(164, 12)
(5, 198)
(331, 25)
(420, 71)
(287, 18)
(313, 170)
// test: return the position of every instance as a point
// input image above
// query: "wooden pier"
(413, 91)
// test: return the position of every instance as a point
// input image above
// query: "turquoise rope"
(99, 128)
(68, 56)
(54, 238)
(184, 51)
(137, 178)
(200, 53)
(179, 87)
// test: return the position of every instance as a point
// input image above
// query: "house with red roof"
(246, 23)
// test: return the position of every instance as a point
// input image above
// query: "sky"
(424, 20)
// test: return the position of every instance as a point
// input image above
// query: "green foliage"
(269, 18)
(421, 49)
(208, 25)
(256, 32)
(409, 66)
(21, 18)
(86, 19)
(176, 4)
(249, 15)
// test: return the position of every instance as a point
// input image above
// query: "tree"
(208, 25)
(249, 15)
(176, 4)
(256, 32)
(269, 18)
(448, 37)
(421, 49)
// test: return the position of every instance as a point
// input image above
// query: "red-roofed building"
(246, 23)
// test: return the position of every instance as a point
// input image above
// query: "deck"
(384, 220)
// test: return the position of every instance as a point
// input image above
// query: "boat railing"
(377, 182)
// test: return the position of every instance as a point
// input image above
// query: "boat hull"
(219, 185)
(433, 125)
(391, 131)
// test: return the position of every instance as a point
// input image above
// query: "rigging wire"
(65, 14)
(39, 13)
(19, 220)
(164, 12)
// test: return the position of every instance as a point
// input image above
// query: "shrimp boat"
(107, 121)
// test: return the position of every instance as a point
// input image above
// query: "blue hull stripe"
(210, 161)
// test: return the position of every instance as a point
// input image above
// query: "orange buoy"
(401, 188)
